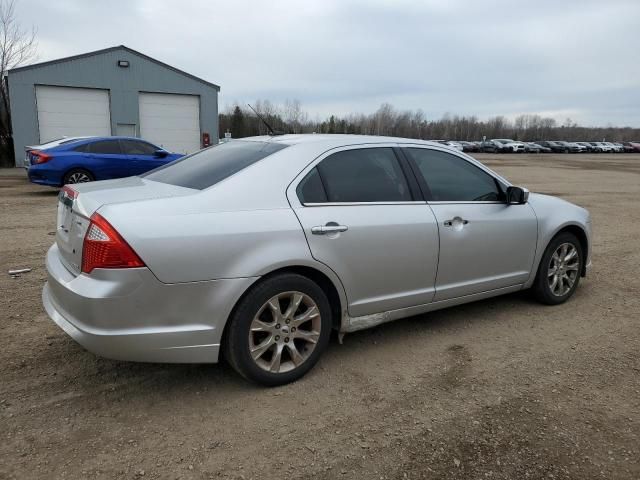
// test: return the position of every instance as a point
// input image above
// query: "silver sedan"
(257, 248)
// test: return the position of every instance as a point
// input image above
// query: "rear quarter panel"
(212, 245)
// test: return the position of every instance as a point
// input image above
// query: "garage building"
(115, 91)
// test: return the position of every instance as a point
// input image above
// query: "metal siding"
(101, 71)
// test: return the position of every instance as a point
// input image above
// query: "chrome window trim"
(353, 204)
(464, 202)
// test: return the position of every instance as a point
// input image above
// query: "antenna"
(269, 127)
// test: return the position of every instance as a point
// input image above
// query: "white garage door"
(70, 112)
(171, 121)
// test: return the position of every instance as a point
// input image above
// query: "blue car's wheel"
(78, 175)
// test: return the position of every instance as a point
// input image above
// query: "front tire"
(559, 270)
(279, 329)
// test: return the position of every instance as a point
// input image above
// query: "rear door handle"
(331, 227)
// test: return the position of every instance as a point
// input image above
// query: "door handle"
(331, 227)
(457, 220)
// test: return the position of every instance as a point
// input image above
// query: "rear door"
(105, 159)
(485, 244)
(141, 155)
(363, 219)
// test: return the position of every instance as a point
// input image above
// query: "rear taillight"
(40, 157)
(104, 247)
(69, 192)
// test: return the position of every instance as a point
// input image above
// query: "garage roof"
(111, 49)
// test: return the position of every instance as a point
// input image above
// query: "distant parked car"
(457, 145)
(631, 147)
(568, 147)
(587, 146)
(581, 148)
(469, 146)
(450, 144)
(532, 147)
(618, 147)
(510, 146)
(602, 147)
(491, 146)
(84, 159)
(612, 147)
(551, 145)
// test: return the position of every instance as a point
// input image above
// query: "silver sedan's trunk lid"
(76, 204)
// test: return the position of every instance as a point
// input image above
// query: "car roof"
(73, 142)
(112, 137)
(335, 140)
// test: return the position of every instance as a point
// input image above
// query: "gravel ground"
(500, 389)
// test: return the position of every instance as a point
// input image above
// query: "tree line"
(289, 117)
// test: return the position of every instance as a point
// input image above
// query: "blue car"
(84, 159)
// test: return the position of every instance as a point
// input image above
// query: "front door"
(485, 244)
(141, 155)
(361, 219)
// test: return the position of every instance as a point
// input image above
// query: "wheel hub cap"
(563, 270)
(284, 332)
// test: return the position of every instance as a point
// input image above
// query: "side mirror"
(517, 195)
(160, 153)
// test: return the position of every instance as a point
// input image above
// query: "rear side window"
(364, 175)
(208, 167)
(82, 148)
(310, 189)
(453, 179)
(105, 147)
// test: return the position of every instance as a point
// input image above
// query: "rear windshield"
(207, 167)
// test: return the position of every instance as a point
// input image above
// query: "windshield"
(208, 167)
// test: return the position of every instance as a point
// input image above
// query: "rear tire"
(559, 270)
(278, 331)
(78, 175)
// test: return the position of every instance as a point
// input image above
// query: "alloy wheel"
(563, 269)
(284, 332)
(78, 177)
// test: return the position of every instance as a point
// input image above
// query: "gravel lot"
(500, 389)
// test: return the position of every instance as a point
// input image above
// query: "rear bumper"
(129, 314)
(43, 176)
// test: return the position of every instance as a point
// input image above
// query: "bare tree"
(18, 46)
(413, 124)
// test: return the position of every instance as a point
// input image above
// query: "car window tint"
(211, 165)
(310, 189)
(136, 147)
(105, 147)
(364, 175)
(453, 179)
(82, 148)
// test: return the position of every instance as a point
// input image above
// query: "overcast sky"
(560, 58)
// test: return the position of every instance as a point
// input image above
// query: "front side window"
(136, 147)
(110, 147)
(360, 175)
(453, 179)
